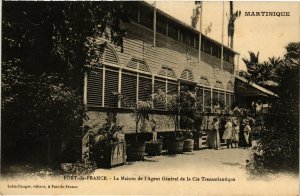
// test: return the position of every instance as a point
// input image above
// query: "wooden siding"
(171, 53)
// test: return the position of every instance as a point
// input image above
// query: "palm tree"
(252, 66)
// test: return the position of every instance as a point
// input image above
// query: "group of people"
(233, 134)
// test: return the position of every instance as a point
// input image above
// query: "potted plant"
(107, 144)
(175, 143)
(188, 144)
(154, 147)
(136, 151)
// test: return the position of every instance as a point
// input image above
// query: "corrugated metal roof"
(260, 88)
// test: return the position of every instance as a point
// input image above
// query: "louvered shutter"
(128, 88)
(172, 87)
(187, 75)
(145, 87)
(231, 100)
(159, 85)
(200, 95)
(173, 30)
(132, 10)
(207, 98)
(165, 71)
(146, 17)
(227, 99)
(161, 24)
(94, 88)
(110, 56)
(143, 66)
(222, 98)
(162, 72)
(132, 64)
(111, 86)
(215, 96)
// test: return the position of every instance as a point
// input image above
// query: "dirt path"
(204, 172)
(201, 167)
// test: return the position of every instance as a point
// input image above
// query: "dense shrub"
(278, 146)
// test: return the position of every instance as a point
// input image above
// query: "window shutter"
(111, 86)
(159, 85)
(145, 87)
(110, 56)
(222, 97)
(215, 96)
(231, 100)
(143, 66)
(166, 71)
(161, 24)
(94, 88)
(172, 88)
(207, 98)
(172, 30)
(132, 10)
(146, 16)
(200, 95)
(132, 64)
(128, 87)
(187, 75)
(162, 72)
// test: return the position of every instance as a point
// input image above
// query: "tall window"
(222, 98)
(200, 95)
(134, 85)
(111, 87)
(146, 17)
(145, 87)
(94, 87)
(128, 88)
(207, 97)
(102, 81)
(215, 96)
(165, 85)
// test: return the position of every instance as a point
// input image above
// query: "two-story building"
(160, 53)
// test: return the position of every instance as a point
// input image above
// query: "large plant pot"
(135, 152)
(154, 149)
(188, 145)
(197, 140)
(175, 147)
(109, 155)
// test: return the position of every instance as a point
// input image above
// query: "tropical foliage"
(45, 48)
(279, 144)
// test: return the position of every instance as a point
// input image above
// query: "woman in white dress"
(235, 133)
(227, 135)
(213, 137)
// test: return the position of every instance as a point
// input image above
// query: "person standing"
(215, 136)
(247, 131)
(227, 136)
(235, 133)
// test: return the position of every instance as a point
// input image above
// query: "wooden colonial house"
(160, 53)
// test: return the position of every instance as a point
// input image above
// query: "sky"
(267, 35)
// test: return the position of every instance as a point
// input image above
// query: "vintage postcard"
(150, 98)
